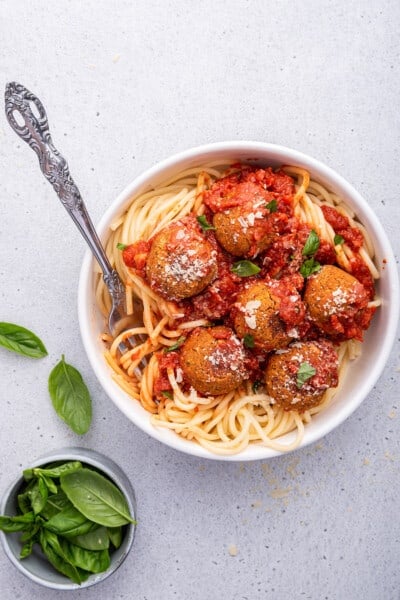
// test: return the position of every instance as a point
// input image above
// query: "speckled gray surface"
(126, 84)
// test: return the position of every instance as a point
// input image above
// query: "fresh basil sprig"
(245, 268)
(176, 345)
(311, 245)
(338, 239)
(70, 396)
(272, 206)
(78, 527)
(248, 340)
(204, 224)
(304, 373)
(309, 267)
(18, 339)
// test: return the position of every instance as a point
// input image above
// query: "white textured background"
(127, 83)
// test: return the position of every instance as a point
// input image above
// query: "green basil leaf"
(245, 268)
(57, 471)
(18, 523)
(24, 502)
(69, 522)
(338, 239)
(304, 373)
(31, 533)
(55, 555)
(272, 206)
(97, 539)
(312, 244)
(21, 340)
(168, 394)
(248, 340)
(256, 386)
(309, 267)
(204, 224)
(96, 497)
(115, 535)
(26, 549)
(121, 246)
(70, 397)
(38, 496)
(94, 561)
(177, 344)
(51, 486)
(55, 503)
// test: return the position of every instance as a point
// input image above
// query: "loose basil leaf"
(69, 522)
(204, 224)
(96, 497)
(55, 555)
(97, 539)
(55, 503)
(51, 486)
(167, 394)
(121, 246)
(18, 523)
(21, 340)
(26, 549)
(115, 535)
(31, 532)
(272, 206)
(70, 397)
(309, 267)
(312, 244)
(304, 373)
(338, 239)
(94, 561)
(177, 344)
(24, 502)
(38, 496)
(245, 268)
(248, 340)
(53, 472)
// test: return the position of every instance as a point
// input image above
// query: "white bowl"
(365, 371)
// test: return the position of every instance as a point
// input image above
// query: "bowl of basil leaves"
(68, 521)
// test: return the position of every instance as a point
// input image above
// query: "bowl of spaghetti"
(263, 296)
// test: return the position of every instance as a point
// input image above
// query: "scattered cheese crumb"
(392, 414)
(116, 58)
(233, 550)
(280, 493)
(366, 462)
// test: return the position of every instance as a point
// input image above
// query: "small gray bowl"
(36, 567)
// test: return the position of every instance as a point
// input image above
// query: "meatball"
(298, 377)
(337, 303)
(181, 262)
(256, 313)
(213, 360)
(244, 231)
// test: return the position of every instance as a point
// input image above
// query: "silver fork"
(27, 117)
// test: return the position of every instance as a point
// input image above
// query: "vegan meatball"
(298, 377)
(337, 303)
(181, 262)
(256, 313)
(213, 360)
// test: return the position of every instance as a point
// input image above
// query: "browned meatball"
(181, 262)
(255, 313)
(337, 303)
(298, 377)
(213, 360)
(243, 231)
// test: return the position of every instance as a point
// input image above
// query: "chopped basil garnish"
(311, 245)
(248, 340)
(338, 239)
(177, 344)
(167, 394)
(309, 267)
(204, 224)
(245, 268)
(121, 246)
(305, 372)
(272, 206)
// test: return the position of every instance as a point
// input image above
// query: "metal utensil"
(27, 117)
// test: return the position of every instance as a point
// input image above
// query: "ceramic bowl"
(36, 567)
(365, 371)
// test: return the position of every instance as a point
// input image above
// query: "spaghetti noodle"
(227, 422)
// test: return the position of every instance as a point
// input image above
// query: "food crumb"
(280, 493)
(233, 550)
(366, 461)
(256, 504)
(116, 58)
(389, 456)
(392, 414)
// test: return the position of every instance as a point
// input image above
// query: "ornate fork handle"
(33, 128)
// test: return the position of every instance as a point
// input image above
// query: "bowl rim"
(286, 156)
(106, 465)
